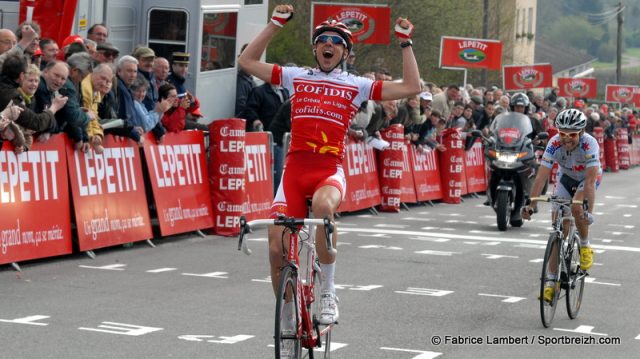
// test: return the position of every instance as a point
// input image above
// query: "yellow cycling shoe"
(549, 292)
(586, 257)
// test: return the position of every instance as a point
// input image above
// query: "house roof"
(560, 56)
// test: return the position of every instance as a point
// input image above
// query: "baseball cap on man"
(143, 52)
(107, 46)
(426, 96)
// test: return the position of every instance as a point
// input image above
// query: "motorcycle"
(510, 154)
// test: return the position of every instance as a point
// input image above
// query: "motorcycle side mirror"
(542, 136)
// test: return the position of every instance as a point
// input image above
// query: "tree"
(576, 32)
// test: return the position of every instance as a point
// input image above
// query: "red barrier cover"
(258, 177)
(109, 196)
(407, 186)
(180, 181)
(363, 187)
(622, 142)
(611, 154)
(426, 175)
(227, 151)
(452, 166)
(391, 167)
(32, 184)
(474, 168)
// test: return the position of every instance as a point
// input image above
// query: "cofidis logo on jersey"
(521, 77)
(470, 53)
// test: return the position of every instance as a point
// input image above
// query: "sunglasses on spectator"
(335, 39)
(572, 135)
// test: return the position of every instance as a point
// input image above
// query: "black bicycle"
(561, 266)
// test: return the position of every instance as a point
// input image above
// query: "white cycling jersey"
(572, 163)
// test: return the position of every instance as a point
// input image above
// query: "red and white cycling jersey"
(322, 106)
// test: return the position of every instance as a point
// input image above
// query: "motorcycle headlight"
(509, 157)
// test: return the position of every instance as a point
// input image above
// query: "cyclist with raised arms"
(579, 174)
(323, 102)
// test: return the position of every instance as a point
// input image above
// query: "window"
(252, 2)
(530, 21)
(524, 19)
(218, 41)
(168, 31)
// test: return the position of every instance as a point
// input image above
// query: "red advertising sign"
(109, 196)
(523, 77)
(180, 181)
(391, 168)
(407, 186)
(227, 174)
(363, 188)
(474, 168)
(34, 183)
(578, 88)
(636, 100)
(55, 17)
(452, 166)
(620, 93)
(426, 175)
(470, 53)
(369, 24)
(258, 177)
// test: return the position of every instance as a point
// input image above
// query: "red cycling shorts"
(304, 173)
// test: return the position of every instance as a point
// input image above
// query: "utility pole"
(485, 34)
(619, 49)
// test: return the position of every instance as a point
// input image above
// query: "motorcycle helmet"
(520, 99)
(571, 119)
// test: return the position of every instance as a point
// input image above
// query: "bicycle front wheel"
(575, 279)
(287, 340)
(548, 308)
(323, 332)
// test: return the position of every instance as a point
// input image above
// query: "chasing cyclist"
(323, 102)
(579, 173)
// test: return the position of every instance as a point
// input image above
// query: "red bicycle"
(307, 333)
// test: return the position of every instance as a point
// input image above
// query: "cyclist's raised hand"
(282, 14)
(403, 29)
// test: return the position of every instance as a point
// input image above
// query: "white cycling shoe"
(328, 308)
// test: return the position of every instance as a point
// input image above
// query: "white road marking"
(425, 291)
(161, 270)
(507, 298)
(430, 239)
(122, 329)
(387, 225)
(479, 238)
(30, 320)
(364, 288)
(437, 253)
(582, 329)
(107, 267)
(219, 275)
(593, 280)
(497, 256)
(266, 280)
(379, 246)
(377, 235)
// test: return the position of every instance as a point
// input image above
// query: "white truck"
(212, 31)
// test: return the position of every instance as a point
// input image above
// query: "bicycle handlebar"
(288, 222)
(556, 199)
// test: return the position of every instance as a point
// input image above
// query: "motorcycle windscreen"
(511, 129)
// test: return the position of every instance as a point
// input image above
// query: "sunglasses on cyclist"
(335, 39)
(572, 135)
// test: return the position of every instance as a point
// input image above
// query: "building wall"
(524, 34)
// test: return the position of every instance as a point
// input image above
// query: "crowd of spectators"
(86, 89)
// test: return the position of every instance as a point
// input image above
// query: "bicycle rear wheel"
(575, 279)
(287, 341)
(548, 309)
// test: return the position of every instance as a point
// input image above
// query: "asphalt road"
(434, 281)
